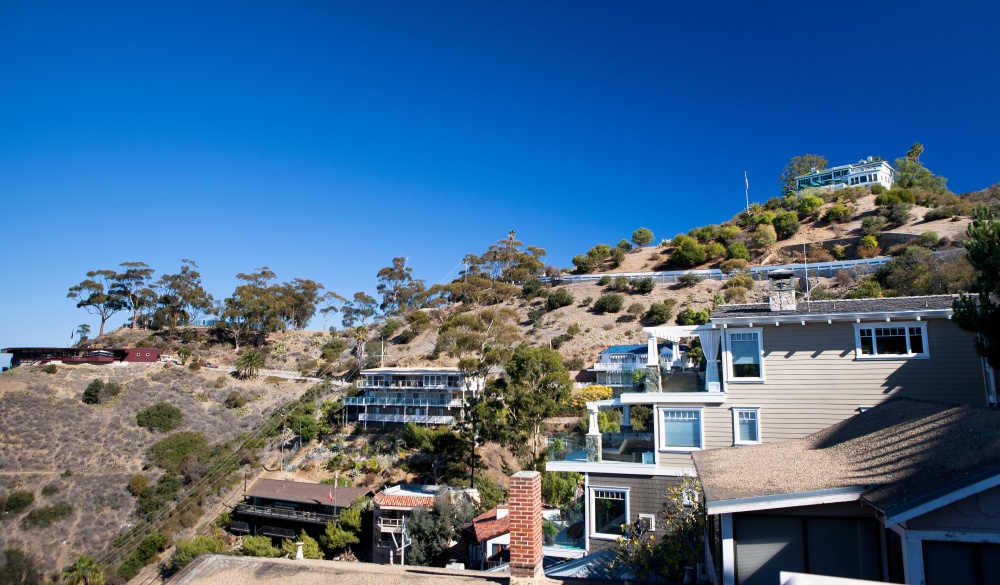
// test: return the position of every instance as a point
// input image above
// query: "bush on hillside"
(660, 313)
(873, 226)
(762, 218)
(735, 295)
(689, 253)
(642, 237)
(689, 279)
(878, 189)
(642, 286)
(714, 250)
(705, 234)
(742, 280)
(838, 213)
(609, 303)
(189, 549)
(418, 320)
(624, 245)
(18, 501)
(50, 369)
(897, 214)
(737, 250)
(929, 239)
(730, 266)
(92, 393)
(728, 233)
(161, 417)
(604, 280)
(764, 236)
(691, 317)
(866, 288)
(168, 453)
(786, 224)
(809, 204)
(50, 490)
(47, 515)
(558, 298)
(617, 257)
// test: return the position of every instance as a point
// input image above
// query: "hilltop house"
(396, 396)
(282, 509)
(393, 505)
(81, 355)
(864, 172)
(488, 535)
(908, 491)
(776, 372)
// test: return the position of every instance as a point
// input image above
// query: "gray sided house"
(908, 491)
(776, 372)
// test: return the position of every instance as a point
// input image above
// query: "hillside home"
(776, 372)
(488, 536)
(282, 509)
(908, 491)
(396, 396)
(81, 355)
(864, 172)
(393, 505)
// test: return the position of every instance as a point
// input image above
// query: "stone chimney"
(781, 296)
(525, 511)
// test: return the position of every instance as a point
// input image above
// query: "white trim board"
(831, 496)
(934, 503)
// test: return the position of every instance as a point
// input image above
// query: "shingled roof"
(897, 455)
(840, 306)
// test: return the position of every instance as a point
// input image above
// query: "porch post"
(593, 438)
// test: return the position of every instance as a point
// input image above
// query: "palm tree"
(248, 364)
(84, 571)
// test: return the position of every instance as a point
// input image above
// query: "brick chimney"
(525, 526)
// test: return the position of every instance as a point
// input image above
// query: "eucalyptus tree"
(253, 310)
(182, 296)
(135, 285)
(400, 291)
(98, 295)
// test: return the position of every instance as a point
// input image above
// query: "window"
(746, 426)
(649, 520)
(744, 355)
(681, 428)
(608, 511)
(897, 341)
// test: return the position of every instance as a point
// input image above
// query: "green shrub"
(92, 393)
(737, 250)
(742, 280)
(149, 547)
(660, 313)
(418, 320)
(559, 340)
(259, 546)
(18, 501)
(573, 329)
(764, 236)
(406, 337)
(624, 245)
(869, 242)
(878, 189)
(705, 234)
(838, 213)
(189, 549)
(898, 214)
(574, 364)
(866, 288)
(235, 400)
(786, 224)
(714, 250)
(642, 286)
(944, 212)
(46, 516)
(689, 279)
(586, 302)
(50, 369)
(138, 484)
(604, 280)
(559, 298)
(168, 453)
(762, 218)
(220, 382)
(389, 328)
(620, 284)
(609, 303)
(809, 205)
(691, 317)
(689, 253)
(642, 237)
(194, 366)
(727, 233)
(873, 226)
(839, 251)
(536, 315)
(929, 239)
(161, 417)
(735, 295)
(50, 490)
(617, 257)
(730, 266)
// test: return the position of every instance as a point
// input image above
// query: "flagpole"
(747, 181)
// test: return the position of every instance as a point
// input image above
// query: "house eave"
(765, 319)
(772, 502)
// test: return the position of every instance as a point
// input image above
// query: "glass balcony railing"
(672, 381)
(614, 448)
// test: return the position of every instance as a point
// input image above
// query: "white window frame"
(652, 521)
(727, 355)
(591, 496)
(661, 429)
(922, 325)
(736, 424)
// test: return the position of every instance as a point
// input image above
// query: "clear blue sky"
(322, 139)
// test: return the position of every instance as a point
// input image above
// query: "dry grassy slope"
(47, 436)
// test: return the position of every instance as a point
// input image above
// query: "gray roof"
(306, 492)
(840, 306)
(902, 452)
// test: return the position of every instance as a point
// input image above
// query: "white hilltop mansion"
(864, 172)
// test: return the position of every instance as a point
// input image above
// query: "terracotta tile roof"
(306, 492)
(899, 452)
(390, 500)
(487, 525)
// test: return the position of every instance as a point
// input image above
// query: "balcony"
(420, 419)
(447, 402)
(673, 381)
(284, 513)
(615, 448)
(390, 524)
